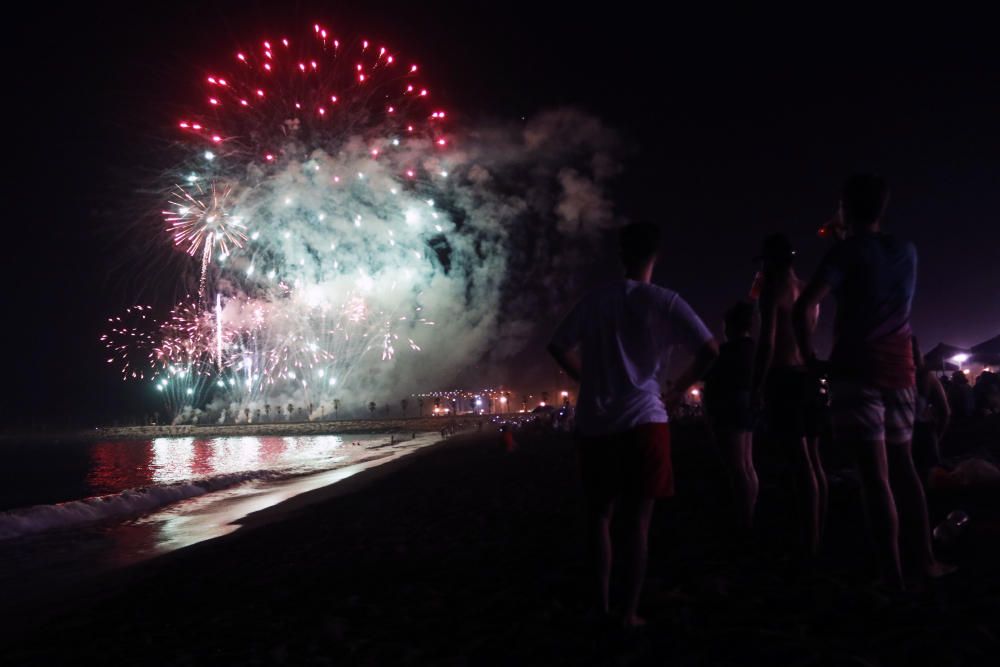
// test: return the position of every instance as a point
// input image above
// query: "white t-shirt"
(625, 332)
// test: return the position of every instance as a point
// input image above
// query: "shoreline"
(108, 579)
(475, 554)
(334, 427)
(347, 486)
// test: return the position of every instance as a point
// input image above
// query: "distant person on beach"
(727, 404)
(873, 277)
(931, 417)
(616, 342)
(790, 393)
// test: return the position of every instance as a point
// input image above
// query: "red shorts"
(634, 465)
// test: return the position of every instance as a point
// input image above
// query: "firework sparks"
(200, 220)
(131, 342)
(336, 220)
(324, 141)
(318, 92)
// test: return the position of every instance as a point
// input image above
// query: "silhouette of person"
(727, 405)
(789, 392)
(615, 342)
(873, 277)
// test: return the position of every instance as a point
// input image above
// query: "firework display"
(347, 246)
(308, 201)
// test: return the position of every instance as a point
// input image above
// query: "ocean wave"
(124, 504)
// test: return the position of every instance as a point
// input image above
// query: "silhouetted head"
(640, 245)
(776, 252)
(958, 377)
(739, 320)
(863, 200)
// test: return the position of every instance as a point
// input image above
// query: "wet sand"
(464, 554)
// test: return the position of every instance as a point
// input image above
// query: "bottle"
(833, 229)
(949, 530)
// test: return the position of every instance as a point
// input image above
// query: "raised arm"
(765, 345)
(803, 316)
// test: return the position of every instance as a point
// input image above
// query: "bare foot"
(633, 621)
(937, 569)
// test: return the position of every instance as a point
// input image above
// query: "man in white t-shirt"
(616, 342)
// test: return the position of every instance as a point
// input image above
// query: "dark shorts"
(730, 412)
(794, 404)
(633, 465)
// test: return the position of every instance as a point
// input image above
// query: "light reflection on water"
(172, 459)
(119, 465)
(218, 513)
(291, 466)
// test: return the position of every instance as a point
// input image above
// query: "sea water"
(67, 508)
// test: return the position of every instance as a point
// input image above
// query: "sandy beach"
(465, 554)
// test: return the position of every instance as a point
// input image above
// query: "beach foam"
(127, 503)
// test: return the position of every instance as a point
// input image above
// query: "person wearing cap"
(786, 390)
(872, 275)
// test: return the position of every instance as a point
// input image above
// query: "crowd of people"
(882, 402)
(967, 399)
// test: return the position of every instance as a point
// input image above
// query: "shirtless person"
(788, 391)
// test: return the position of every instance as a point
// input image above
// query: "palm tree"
(371, 407)
(256, 415)
(403, 404)
(267, 411)
(420, 407)
(336, 407)
(310, 411)
(246, 411)
(290, 408)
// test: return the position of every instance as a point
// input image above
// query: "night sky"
(737, 125)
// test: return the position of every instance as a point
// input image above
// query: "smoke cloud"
(361, 281)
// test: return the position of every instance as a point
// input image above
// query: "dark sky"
(741, 123)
